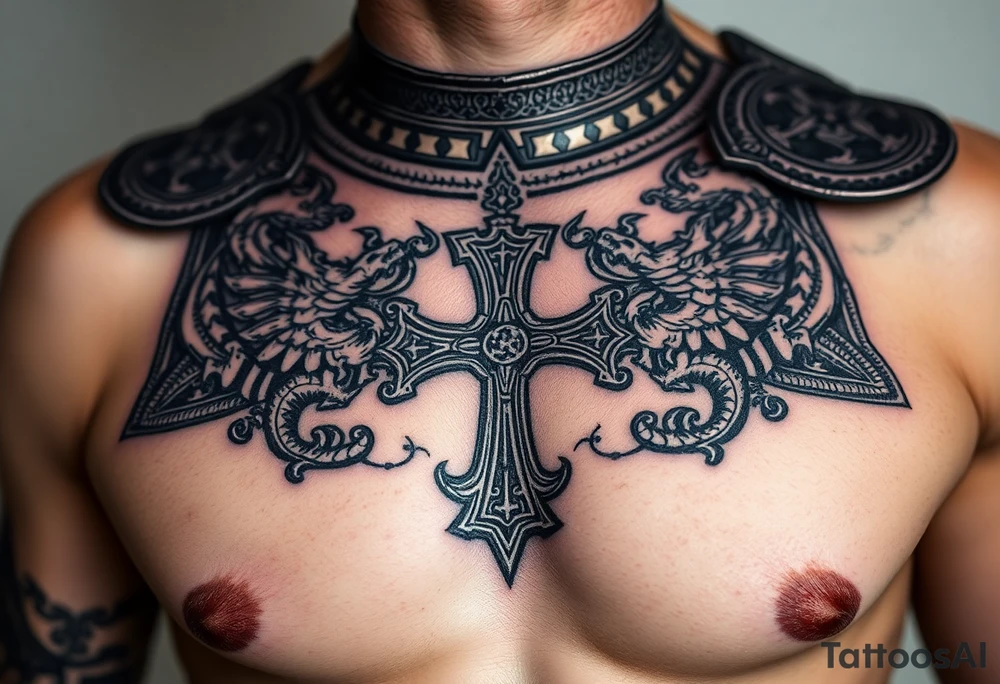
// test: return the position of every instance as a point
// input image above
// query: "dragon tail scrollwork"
(327, 445)
(682, 429)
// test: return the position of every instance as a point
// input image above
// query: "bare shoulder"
(72, 281)
(960, 252)
(960, 247)
(936, 254)
(976, 173)
(66, 244)
(955, 590)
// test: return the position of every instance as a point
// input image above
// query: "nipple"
(815, 604)
(223, 613)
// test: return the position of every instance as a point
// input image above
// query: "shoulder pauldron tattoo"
(743, 294)
(801, 129)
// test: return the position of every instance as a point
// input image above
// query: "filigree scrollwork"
(740, 294)
(272, 305)
(696, 302)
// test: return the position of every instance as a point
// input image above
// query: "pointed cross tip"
(509, 572)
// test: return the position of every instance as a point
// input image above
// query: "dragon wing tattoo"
(740, 298)
(744, 293)
(739, 295)
(270, 304)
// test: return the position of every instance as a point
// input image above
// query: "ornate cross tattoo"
(745, 293)
(505, 492)
(741, 291)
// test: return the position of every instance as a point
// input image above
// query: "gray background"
(78, 78)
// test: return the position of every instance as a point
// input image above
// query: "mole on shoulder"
(815, 604)
(223, 613)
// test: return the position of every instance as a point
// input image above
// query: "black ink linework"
(410, 129)
(799, 128)
(746, 293)
(505, 492)
(72, 647)
(740, 294)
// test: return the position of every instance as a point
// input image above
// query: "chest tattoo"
(745, 294)
(740, 296)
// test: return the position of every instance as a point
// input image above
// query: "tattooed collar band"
(741, 294)
(418, 131)
(431, 133)
(562, 126)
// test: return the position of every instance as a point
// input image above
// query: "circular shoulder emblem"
(180, 178)
(802, 130)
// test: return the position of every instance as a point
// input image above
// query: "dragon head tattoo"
(297, 308)
(273, 301)
(718, 282)
(713, 284)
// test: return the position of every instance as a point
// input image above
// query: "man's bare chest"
(658, 559)
(732, 291)
(517, 395)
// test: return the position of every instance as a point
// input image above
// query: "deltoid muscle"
(724, 290)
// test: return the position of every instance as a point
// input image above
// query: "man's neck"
(496, 36)
(564, 119)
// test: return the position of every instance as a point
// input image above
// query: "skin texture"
(661, 572)
(484, 36)
(743, 299)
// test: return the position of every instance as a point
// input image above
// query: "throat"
(396, 123)
(496, 36)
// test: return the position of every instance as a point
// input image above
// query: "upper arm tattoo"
(42, 640)
(708, 280)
